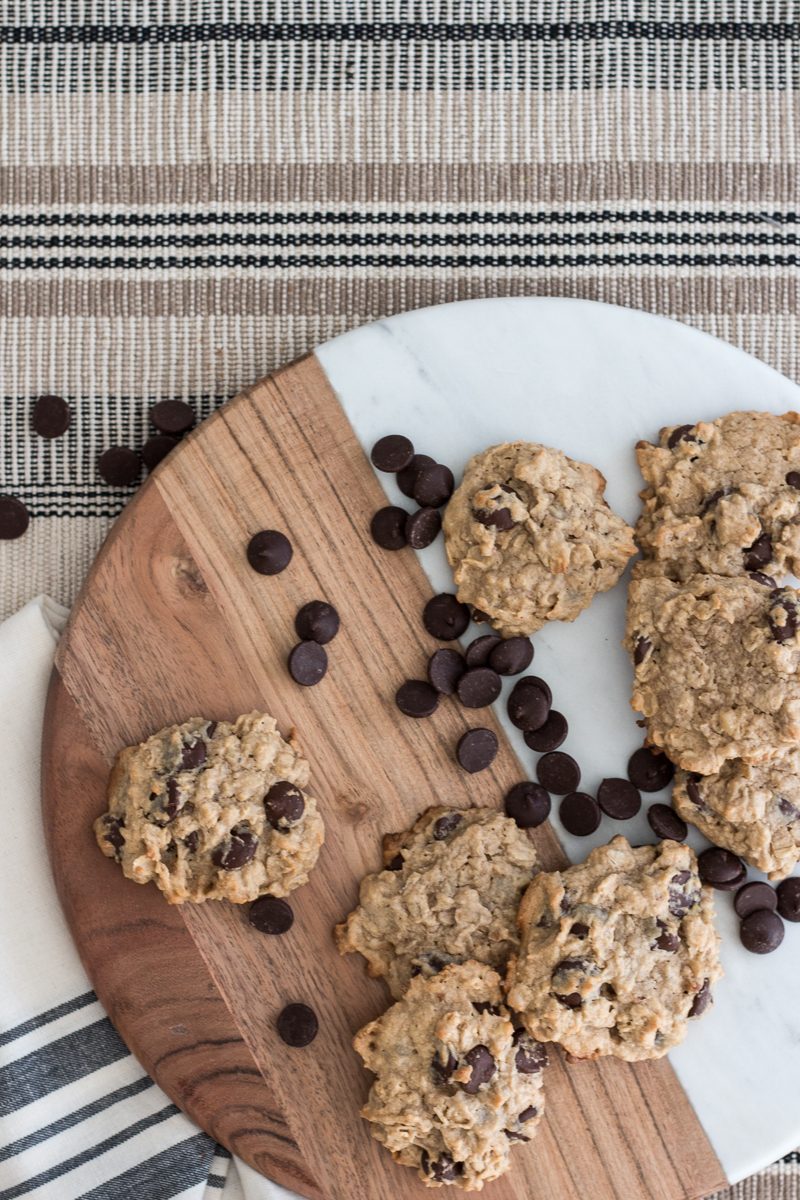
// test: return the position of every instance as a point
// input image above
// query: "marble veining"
(592, 379)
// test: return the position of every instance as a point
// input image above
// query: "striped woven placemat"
(195, 193)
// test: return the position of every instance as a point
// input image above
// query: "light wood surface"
(173, 623)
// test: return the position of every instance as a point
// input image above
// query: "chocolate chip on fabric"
(679, 434)
(549, 736)
(392, 453)
(14, 518)
(388, 527)
(649, 770)
(477, 750)
(434, 486)
(788, 893)
(317, 621)
(172, 416)
(50, 416)
(119, 466)
(619, 799)
(479, 649)
(297, 1025)
(762, 931)
(641, 650)
(721, 869)
(445, 668)
(156, 449)
(445, 617)
(752, 897)
(579, 814)
(479, 687)
(759, 554)
(193, 755)
(512, 656)
(407, 477)
(308, 663)
(666, 824)
(702, 1000)
(269, 552)
(284, 804)
(558, 772)
(445, 825)
(528, 804)
(528, 705)
(237, 850)
(270, 914)
(483, 1068)
(422, 527)
(793, 479)
(416, 698)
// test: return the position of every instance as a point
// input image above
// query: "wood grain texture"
(173, 623)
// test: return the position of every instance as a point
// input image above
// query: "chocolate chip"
(422, 527)
(192, 841)
(14, 518)
(416, 698)
(445, 668)
(759, 554)
(528, 704)
(442, 1071)
(392, 453)
(558, 772)
(495, 518)
(571, 1000)
(702, 1000)
(407, 477)
(236, 850)
(388, 527)
(762, 931)
(446, 825)
(721, 869)
(788, 894)
(619, 799)
(433, 486)
(478, 615)
(531, 1056)
(512, 656)
(477, 750)
(479, 649)
(442, 1169)
(270, 914)
(751, 897)
(445, 617)
(172, 416)
(297, 1025)
(479, 687)
(119, 466)
(579, 930)
(483, 1068)
(666, 940)
(50, 416)
(284, 804)
(782, 618)
(649, 770)
(764, 580)
(681, 901)
(483, 1006)
(193, 755)
(693, 791)
(156, 449)
(527, 1114)
(269, 552)
(788, 809)
(714, 499)
(665, 823)
(793, 479)
(317, 621)
(113, 831)
(528, 804)
(308, 663)
(579, 814)
(641, 650)
(549, 736)
(679, 434)
(395, 864)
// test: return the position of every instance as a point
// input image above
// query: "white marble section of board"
(593, 379)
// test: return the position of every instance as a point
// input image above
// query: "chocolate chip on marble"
(528, 704)
(483, 1068)
(788, 893)
(528, 804)
(14, 518)
(284, 804)
(479, 649)
(752, 897)
(477, 750)
(445, 668)
(270, 914)
(549, 736)
(512, 656)
(416, 698)
(119, 466)
(433, 486)
(666, 824)
(237, 850)
(649, 770)
(445, 617)
(558, 772)
(317, 621)
(721, 869)
(422, 527)
(619, 799)
(172, 416)
(762, 931)
(407, 477)
(269, 552)
(50, 416)
(392, 453)
(479, 687)
(307, 663)
(297, 1025)
(579, 814)
(388, 527)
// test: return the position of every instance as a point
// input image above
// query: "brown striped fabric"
(193, 199)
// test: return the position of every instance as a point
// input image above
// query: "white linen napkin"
(78, 1115)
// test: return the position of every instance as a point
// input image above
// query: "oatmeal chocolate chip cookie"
(715, 667)
(456, 1083)
(617, 953)
(530, 537)
(213, 811)
(753, 810)
(449, 891)
(723, 497)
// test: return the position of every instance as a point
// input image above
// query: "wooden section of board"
(173, 623)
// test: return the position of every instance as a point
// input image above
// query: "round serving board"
(173, 623)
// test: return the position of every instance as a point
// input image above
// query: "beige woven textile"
(195, 193)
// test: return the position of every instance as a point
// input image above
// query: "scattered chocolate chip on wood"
(270, 914)
(119, 466)
(417, 698)
(317, 621)
(297, 1025)
(445, 668)
(528, 804)
(308, 663)
(445, 617)
(50, 416)
(392, 453)
(14, 518)
(479, 687)
(388, 527)
(477, 750)
(172, 416)
(269, 552)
